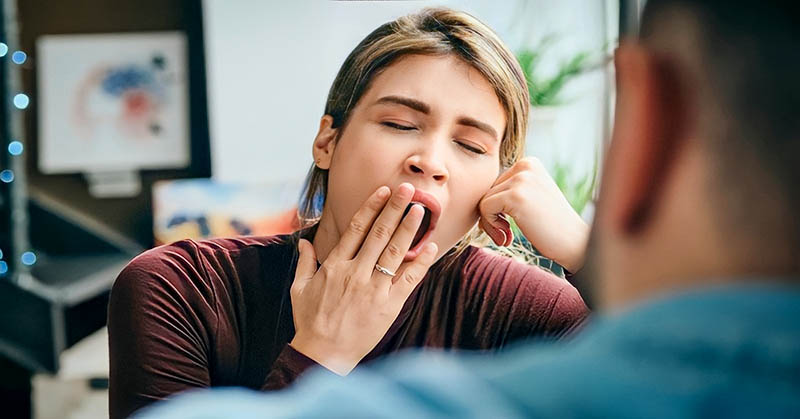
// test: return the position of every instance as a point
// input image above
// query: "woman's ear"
(325, 143)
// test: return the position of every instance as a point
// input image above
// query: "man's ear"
(648, 133)
(324, 143)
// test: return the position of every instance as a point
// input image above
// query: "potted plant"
(545, 90)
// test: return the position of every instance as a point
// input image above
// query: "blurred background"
(134, 123)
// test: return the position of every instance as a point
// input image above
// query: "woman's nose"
(426, 164)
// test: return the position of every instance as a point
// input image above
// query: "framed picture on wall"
(112, 102)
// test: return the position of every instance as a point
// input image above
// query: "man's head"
(699, 184)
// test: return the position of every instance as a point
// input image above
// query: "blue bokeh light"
(3, 267)
(19, 57)
(15, 148)
(28, 258)
(21, 101)
(7, 176)
(3, 49)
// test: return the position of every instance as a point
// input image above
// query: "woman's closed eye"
(463, 144)
(399, 127)
(470, 148)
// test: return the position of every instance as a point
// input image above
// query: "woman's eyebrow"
(424, 108)
(471, 122)
(405, 101)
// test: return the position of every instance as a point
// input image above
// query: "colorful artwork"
(112, 102)
(202, 208)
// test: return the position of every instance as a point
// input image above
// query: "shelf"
(64, 296)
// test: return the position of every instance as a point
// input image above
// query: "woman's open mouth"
(428, 224)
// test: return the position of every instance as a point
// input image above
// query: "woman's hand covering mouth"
(342, 309)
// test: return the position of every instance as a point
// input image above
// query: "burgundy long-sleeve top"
(217, 312)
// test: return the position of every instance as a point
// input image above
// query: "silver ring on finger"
(383, 270)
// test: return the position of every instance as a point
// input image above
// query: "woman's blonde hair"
(431, 31)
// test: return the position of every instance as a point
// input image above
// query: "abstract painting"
(112, 102)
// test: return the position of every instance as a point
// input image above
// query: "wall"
(126, 218)
(270, 66)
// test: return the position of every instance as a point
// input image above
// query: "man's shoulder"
(618, 367)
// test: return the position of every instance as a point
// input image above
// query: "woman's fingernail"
(418, 212)
(505, 238)
(405, 188)
(431, 248)
(504, 222)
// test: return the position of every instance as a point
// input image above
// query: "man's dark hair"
(750, 63)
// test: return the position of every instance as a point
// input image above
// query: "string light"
(15, 148)
(7, 176)
(18, 57)
(21, 101)
(28, 258)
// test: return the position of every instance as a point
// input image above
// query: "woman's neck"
(326, 237)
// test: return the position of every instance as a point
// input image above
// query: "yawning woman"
(417, 154)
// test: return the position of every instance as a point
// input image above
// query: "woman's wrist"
(324, 356)
(564, 245)
(575, 248)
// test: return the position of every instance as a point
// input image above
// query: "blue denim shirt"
(732, 351)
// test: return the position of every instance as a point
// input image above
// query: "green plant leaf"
(544, 91)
